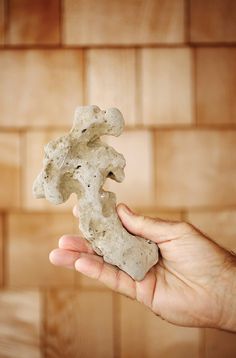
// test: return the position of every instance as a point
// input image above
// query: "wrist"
(227, 290)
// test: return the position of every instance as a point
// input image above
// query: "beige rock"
(80, 162)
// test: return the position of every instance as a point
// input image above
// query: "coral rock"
(80, 162)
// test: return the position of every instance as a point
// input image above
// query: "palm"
(185, 278)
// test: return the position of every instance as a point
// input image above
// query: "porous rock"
(79, 162)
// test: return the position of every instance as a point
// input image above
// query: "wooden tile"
(216, 85)
(219, 225)
(213, 21)
(91, 22)
(10, 170)
(110, 77)
(145, 335)
(45, 87)
(166, 92)
(20, 324)
(1, 250)
(219, 344)
(34, 142)
(2, 22)
(195, 168)
(30, 239)
(79, 324)
(33, 22)
(137, 189)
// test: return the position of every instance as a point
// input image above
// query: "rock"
(80, 162)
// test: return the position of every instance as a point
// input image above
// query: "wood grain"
(33, 22)
(216, 86)
(79, 324)
(91, 22)
(111, 80)
(2, 22)
(45, 87)
(213, 21)
(195, 168)
(145, 335)
(20, 324)
(10, 170)
(1, 249)
(30, 239)
(219, 344)
(166, 86)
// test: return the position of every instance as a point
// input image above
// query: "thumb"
(157, 230)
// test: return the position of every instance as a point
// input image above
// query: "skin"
(193, 284)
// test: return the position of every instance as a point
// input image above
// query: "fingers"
(94, 267)
(64, 258)
(70, 248)
(76, 252)
(75, 243)
(157, 230)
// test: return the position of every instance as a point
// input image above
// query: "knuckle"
(143, 223)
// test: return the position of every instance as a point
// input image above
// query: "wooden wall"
(170, 66)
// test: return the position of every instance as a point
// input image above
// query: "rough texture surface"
(80, 162)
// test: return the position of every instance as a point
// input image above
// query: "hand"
(193, 284)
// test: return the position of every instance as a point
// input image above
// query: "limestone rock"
(79, 162)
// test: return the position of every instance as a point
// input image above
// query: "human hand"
(193, 284)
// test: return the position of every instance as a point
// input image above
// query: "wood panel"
(30, 239)
(79, 324)
(138, 186)
(213, 21)
(20, 324)
(145, 335)
(33, 22)
(219, 344)
(218, 224)
(10, 170)
(166, 86)
(2, 21)
(91, 22)
(111, 80)
(195, 168)
(216, 86)
(1, 249)
(33, 144)
(45, 87)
